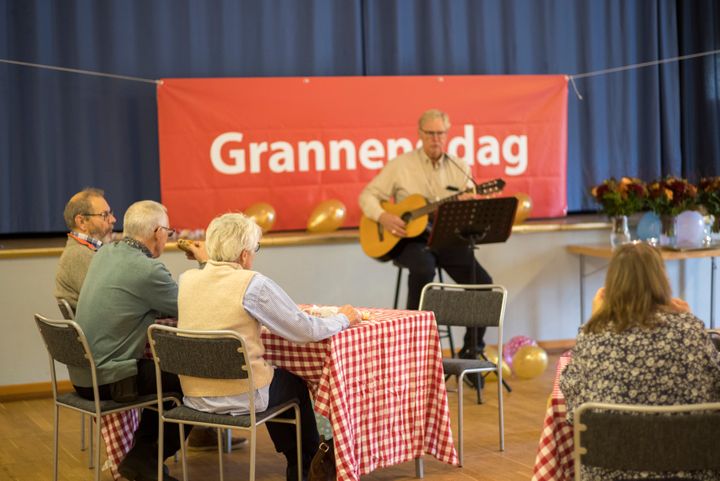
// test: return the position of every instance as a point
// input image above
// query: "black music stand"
(468, 223)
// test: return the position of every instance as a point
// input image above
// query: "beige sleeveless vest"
(212, 299)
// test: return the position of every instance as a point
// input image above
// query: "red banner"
(226, 144)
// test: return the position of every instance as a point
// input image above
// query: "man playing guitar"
(432, 173)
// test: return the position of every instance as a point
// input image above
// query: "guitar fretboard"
(490, 187)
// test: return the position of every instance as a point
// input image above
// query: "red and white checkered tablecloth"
(380, 383)
(554, 461)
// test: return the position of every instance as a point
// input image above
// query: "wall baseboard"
(552, 347)
(17, 392)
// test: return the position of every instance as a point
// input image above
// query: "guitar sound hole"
(406, 217)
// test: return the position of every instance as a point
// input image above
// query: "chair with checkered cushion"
(212, 355)
(645, 438)
(66, 344)
(469, 305)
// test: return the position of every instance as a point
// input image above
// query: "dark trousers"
(146, 435)
(457, 262)
(284, 387)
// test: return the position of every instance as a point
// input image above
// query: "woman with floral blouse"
(641, 346)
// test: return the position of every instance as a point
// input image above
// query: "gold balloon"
(524, 208)
(529, 362)
(492, 356)
(263, 214)
(327, 216)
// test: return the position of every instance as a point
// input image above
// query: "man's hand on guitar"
(393, 224)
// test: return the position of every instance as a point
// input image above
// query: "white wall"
(541, 276)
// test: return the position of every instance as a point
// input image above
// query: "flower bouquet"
(668, 198)
(620, 198)
(709, 197)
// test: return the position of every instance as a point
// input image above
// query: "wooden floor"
(26, 442)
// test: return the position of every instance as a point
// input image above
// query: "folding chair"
(68, 314)
(66, 344)
(211, 355)
(647, 438)
(476, 305)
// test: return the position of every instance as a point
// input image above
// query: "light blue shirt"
(272, 307)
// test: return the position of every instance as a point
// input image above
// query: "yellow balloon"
(492, 355)
(263, 214)
(327, 216)
(524, 208)
(529, 362)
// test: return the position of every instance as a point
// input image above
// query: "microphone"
(475, 184)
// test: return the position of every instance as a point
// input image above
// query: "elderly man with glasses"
(125, 290)
(433, 173)
(90, 221)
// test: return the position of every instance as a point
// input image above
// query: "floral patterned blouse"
(672, 363)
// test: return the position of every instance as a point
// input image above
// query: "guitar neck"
(430, 207)
(492, 186)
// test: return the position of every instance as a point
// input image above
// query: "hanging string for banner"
(571, 78)
(634, 67)
(82, 72)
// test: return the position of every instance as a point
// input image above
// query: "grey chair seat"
(75, 400)
(455, 367)
(184, 413)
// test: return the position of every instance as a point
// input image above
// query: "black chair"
(66, 343)
(647, 438)
(211, 355)
(443, 331)
(476, 305)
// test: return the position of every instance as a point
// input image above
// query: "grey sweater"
(72, 268)
(124, 292)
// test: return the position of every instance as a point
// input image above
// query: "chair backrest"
(715, 338)
(470, 305)
(205, 354)
(647, 438)
(65, 342)
(65, 309)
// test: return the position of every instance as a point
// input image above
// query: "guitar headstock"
(491, 187)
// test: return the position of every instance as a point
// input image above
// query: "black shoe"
(291, 473)
(134, 469)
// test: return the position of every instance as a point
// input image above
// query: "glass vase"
(619, 231)
(668, 230)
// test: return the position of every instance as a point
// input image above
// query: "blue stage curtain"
(60, 132)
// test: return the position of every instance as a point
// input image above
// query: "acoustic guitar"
(378, 243)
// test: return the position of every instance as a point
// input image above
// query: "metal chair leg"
(56, 425)
(397, 287)
(98, 424)
(91, 443)
(82, 432)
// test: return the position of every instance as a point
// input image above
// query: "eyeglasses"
(434, 133)
(104, 215)
(170, 232)
(257, 248)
